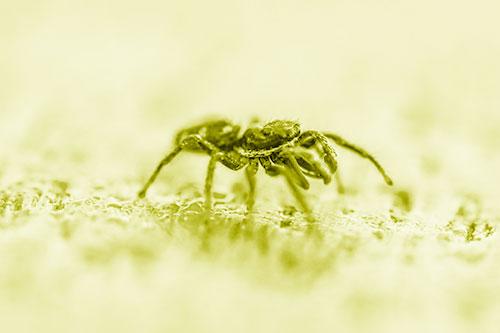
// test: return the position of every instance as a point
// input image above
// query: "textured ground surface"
(91, 96)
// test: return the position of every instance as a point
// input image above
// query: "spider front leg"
(310, 138)
(311, 165)
(275, 170)
(360, 151)
(340, 184)
(287, 159)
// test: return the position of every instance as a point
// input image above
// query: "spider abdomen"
(221, 133)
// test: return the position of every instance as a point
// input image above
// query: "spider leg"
(275, 170)
(360, 151)
(311, 164)
(330, 157)
(209, 180)
(190, 139)
(250, 172)
(340, 184)
(288, 159)
(163, 162)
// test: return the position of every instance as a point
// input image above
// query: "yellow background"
(92, 93)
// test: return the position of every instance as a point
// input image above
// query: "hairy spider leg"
(250, 172)
(311, 165)
(275, 170)
(338, 179)
(313, 168)
(209, 179)
(360, 151)
(165, 161)
(330, 155)
(207, 146)
(340, 184)
(287, 158)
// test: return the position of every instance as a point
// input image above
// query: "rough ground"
(91, 96)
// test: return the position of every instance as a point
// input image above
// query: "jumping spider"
(279, 146)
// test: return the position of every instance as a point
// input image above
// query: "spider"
(279, 146)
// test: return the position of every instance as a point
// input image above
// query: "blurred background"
(94, 91)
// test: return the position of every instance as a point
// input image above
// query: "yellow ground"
(91, 95)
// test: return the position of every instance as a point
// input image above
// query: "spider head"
(270, 135)
(221, 133)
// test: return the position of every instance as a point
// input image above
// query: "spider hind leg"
(164, 162)
(187, 143)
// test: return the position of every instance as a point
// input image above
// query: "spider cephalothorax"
(270, 135)
(279, 146)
